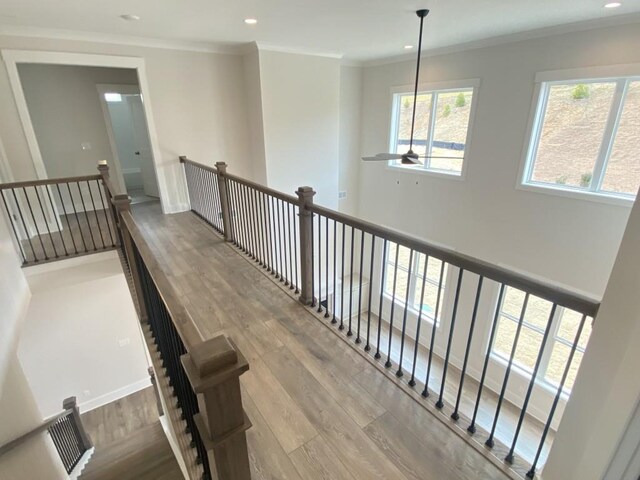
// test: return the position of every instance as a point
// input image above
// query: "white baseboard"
(174, 447)
(115, 395)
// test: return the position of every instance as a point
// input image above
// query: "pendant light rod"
(421, 13)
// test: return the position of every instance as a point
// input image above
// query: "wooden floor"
(129, 441)
(319, 409)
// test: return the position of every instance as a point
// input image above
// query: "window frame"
(622, 75)
(472, 85)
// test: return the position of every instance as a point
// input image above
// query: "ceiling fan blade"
(438, 156)
(380, 157)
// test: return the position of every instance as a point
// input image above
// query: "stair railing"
(451, 329)
(66, 431)
(197, 379)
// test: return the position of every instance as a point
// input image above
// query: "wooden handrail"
(7, 447)
(48, 181)
(546, 290)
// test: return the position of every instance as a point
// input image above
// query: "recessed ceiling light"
(250, 21)
(130, 17)
(408, 47)
(612, 5)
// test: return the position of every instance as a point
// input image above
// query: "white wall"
(80, 311)
(65, 111)
(300, 111)
(198, 107)
(569, 241)
(349, 138)
(255, 133)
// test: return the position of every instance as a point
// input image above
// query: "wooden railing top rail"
(7, 447)
(184, 323)
(548, 291)
(48, 181)
(261, 188)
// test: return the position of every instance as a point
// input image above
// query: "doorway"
(123, 110)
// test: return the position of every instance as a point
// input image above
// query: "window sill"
(428, 172)
(598, 197)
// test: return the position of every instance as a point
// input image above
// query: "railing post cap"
(103, 166)
(305, 192)
(182, 158)
(69, 403)
(221, 166)
(213, 355)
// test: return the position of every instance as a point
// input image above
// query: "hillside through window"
(441, 128)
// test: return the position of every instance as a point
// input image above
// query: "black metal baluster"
(367, 346)
(425, 392)
(334, 320)
(326, 268)
(295, 248)
(239, 215)
(393, 305)
(272, 237)
(319, 310)
(490, 443)
(254, 226)
(24, 225)
(46, 222)
(245, 217)
(284, 246)
(35, 224)
(106, 215)
(280, 242)
(93, 204)
(532, 471)
(358, 339)
(75, 213)
(263, 237)
(341, 327)
(399, 373)
(412, 380)
(532, 382)
(267, 234)
(382, 284)
(13, 227)
(440, 403)
(294, 277)
(353, 234)
(455, 415)
(256, 216)
(58, 223)
(84, 208)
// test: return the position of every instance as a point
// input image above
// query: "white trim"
(591, 73)
(114, 395)
(69, 263)
(116, 39)
(13, 57)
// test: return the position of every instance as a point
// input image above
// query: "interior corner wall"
(19, 414)
(255, 138)
(64, 106)
(198, 108)
(300, 112)
(349, 138)
(81, 336)
(569, 241)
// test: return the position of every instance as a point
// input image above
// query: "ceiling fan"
(409, 158)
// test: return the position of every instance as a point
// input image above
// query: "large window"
(441, 128)
(563, 331)
(586, 137)
(435, 271)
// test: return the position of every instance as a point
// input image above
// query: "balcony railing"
(468, 339)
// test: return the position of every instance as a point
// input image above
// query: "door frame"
(103, 88)
(14, 57)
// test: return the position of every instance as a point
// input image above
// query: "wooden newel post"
(71, 404)
(103, 169)
(214, 368)
(224, 200)
(305, 195)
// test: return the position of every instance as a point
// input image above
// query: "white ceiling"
(360, 30)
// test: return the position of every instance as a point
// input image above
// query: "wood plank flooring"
(319, 409)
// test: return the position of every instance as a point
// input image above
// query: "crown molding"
(129, 40)
(262, 46)
(511, 38)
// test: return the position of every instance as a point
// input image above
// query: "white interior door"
(143, 149)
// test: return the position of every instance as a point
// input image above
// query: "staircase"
(143, 455)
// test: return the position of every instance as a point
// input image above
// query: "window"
(556, 353)
(441, 128)
(400, 275)
(585, 137)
